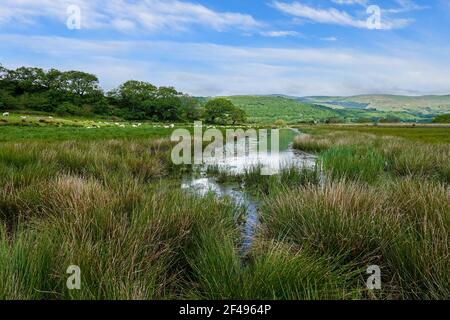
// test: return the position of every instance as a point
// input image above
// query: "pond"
(203, 183)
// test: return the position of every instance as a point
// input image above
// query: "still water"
(202, 184)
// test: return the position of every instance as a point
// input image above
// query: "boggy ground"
(114, 208)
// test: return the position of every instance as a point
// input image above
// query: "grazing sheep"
(135, 126)
(23, 117)
(172, 126)
(6, 114)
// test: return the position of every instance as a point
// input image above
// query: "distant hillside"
(427, 105)
(268, 109)
(271, 108)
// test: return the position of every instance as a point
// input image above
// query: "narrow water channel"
(201, 183)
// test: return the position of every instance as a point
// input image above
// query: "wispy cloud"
(350, 2)
(406, 6)
(211, 69)
(280, 34)
(334, 16)
(401, 5)
(329, 39)
(126, 15)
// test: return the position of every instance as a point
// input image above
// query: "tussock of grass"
(99, 206)
(274, 271)
(123, 253)
(401, 226)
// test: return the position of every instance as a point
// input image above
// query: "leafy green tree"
(77, 92)
(80, 84)
(223, 111)
(238, 116)
(167, 105)
(217, 108)
(191, 108)
(134, 98)
(29, 80)
(3, 72)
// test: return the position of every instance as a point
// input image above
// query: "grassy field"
(109, 201)
(421, 133)
(67, 133)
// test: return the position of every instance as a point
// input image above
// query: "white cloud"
(329, 39)
(278, 34)
(334, 16)
(406, 6)
(126, 15)
(211, 69)
(403, 5)
(350, 2)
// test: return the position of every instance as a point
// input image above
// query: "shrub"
(280, 123)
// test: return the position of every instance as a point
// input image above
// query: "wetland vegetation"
(112, 204)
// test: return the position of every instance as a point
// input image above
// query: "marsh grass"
(254, 182)
(115, 208)
(134, 251)
(369, 157)
(309, 144)
(102, 206)
(355, 163)
(273, 271)
(401, 226)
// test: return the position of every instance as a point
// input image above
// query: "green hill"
(268, 109)
(427, 105)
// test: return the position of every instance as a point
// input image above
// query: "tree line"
(79, 93)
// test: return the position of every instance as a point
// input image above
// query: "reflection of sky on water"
(246, 159)
(244, 155)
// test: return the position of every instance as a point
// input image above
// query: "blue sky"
(223, 47)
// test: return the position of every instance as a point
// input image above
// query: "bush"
(280, 123)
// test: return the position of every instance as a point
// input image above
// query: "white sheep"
(23, 117)
(6, 114)
(172, 126)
